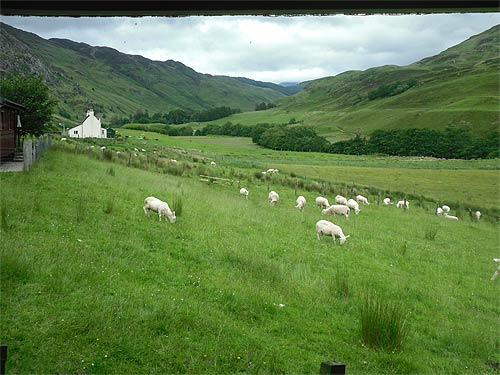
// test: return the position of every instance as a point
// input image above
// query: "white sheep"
(327, 228)
(63, 139)
(244, 193)
(301, 202)
(156, 205)
(213, 163)
(339, 199)
(273, 198)
(322, 202)
(353, 205)
(173, 161)
(270, 170)
(446, 209)
(387, 201)
(403, 204)
(497, 272)
(451, 217)
(477, 214)
(362, 199)
(439, 211)
(276, 171)
(337, 209)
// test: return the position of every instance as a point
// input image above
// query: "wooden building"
(9, 127)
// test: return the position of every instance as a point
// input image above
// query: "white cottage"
(89, 128)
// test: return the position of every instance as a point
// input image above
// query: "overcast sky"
(274, 49)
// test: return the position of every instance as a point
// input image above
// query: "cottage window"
(75, 131)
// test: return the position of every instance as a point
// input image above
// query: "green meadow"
(89, 284)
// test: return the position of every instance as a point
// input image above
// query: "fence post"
(296, 185)
(27, 154)
(332, 368)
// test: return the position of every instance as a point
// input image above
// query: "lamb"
(403, 204)
(352, 204)
(477, 214)
(337, 209)
(327, 228)
(362, 199)
(439, 211)
(270, 170)
(301, 203)
(387, 201)
(451, 217)
(244, 193)
(497, 272)
(339, 199)
(322, 202)
(273, 198)
(213, 163)
(446, 209)
(156, 205)
(173, 161)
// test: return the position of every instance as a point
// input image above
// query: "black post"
(332, 368)
(3, 358)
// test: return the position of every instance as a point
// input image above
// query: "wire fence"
(34, 148)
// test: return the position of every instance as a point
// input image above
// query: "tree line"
(454, 142)
(176, 116)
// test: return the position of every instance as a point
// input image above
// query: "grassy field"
(472, 181)
(90, 285)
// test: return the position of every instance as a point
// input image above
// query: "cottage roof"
(10, 103)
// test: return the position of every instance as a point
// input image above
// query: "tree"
(33, 94)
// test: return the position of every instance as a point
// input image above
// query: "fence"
(32, 149)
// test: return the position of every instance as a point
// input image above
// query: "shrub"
(110, 171)
(383, 324)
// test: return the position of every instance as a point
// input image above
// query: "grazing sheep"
(339, 199)
(497, 272)
(327, 228)
(337, 209)
(322, 202)
(103, 147)
(270, 170)
(446, 209)
(439, 211)
(173, 161)
(244, 193)
(156, 205)
(387, 201)
(451, 217)
(403, 204)
(362, 199)
(213, 163)
(276, 171)
(63, 139)
(273, 198)
(353, 205)
(301, 202)
(477, 214)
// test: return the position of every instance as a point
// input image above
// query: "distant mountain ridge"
(115, 83)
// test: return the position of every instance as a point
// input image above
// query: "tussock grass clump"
(383, 324)
(342, 286)
(110, 171)
(177, 205)
(80, 210)
(108, 207)
(3, 218)
(431, 232)
(107, 154)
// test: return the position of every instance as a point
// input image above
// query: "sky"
(270, 48)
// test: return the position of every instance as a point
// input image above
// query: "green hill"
(458, 86)
(118, 84)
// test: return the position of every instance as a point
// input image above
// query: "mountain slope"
(116, 83)
(458, 86)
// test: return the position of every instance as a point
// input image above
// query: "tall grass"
(383, 324)
(431, 232)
